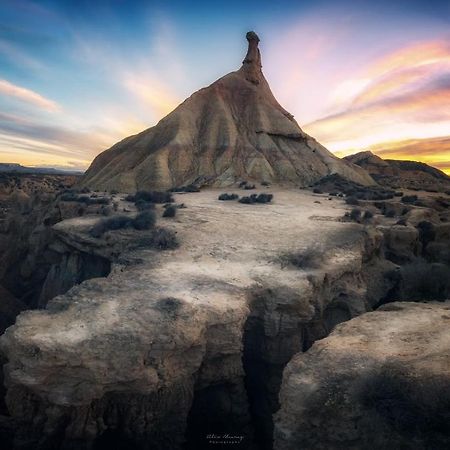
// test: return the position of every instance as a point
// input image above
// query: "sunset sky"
(77, 76)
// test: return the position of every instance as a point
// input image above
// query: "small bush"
(398, 194)
(264, 198)
(254, 198)
(409, 198)
(421, 280)
(355, 215)
(246, 200)
(145, 220)
(265, 183)
(114, 192)
(188, 188)
(165, 239)
(106, 210)
(142, 205)
(317, 191)
(113, 223)
(150, 196)
(311, 258)
(390, 213)
(170, 211)
(368, 215)
(225, 197)
(249, 187)
(352, 201)
(242, 184)
(402, 222)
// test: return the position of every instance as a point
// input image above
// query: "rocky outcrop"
(233, 129)
(173, 347)
(407, 174)
(378, 381)
(28, 209)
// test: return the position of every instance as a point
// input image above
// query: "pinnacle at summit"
(252, 61)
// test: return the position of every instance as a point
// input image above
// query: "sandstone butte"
(233, 129)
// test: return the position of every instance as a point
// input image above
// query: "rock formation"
(232, 130)
(175, 345)
(408, 174)
(379, 381)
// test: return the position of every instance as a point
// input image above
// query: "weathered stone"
(378, 381)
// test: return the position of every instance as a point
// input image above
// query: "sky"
(78, 76)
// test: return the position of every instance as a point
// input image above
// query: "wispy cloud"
(403, 95)
(27, 96)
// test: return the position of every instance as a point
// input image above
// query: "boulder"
(379, 381)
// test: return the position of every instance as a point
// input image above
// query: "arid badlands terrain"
(309, 308)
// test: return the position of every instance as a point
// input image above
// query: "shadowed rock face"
(378, 381)
(234, 129)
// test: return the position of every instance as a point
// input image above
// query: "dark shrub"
(249, 187)
(145, 220)
(164, 239)
(254, 198)
(85, 190)
(106, 210)
(311, 258)
(425, 281)
(351, 201)
(355, 215)
(264, 198)
(170, 306)
(390, 213)
(414, 411)
(114, 192)
(188, 188)
(368, 215)
(265, 183)
(142, 205)
(409, 198)
(228, 197)
(427, 232)
(402, 222)
(151, 197)
(113, 223)
(246, 200)
(317, 191)
(242, 184)
(170, 211)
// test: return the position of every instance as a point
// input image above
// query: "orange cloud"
(435, 152)
(415, 55)
(27, 96)
(407, 97)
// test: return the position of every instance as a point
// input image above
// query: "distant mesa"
(233, 129)
(409, 174)
(15, 168)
